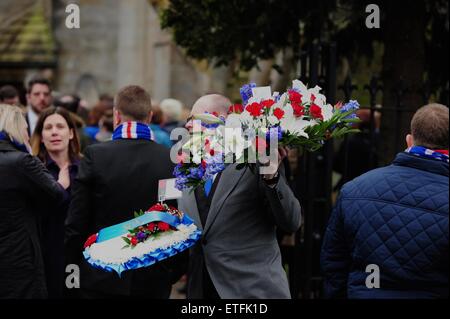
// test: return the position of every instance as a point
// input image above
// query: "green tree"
(414, 36)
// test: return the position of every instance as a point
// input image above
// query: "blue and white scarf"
(132, 130)
(440, 155)
(20, 147)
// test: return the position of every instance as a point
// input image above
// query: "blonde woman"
(26, 190)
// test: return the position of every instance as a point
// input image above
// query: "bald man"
(238, 256)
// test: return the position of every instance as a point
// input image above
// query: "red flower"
(203, 164)
(92, 239)
(278, 113)
(163, 226)
(211, 152)
(134, 241)
(313, 98)
(215, 114)
(158, 207)
(315, 111)
(295, 97)
(254, 109)
(236, 108)
(338, 105)
(298, 109)
(151, 226)
(267, 103)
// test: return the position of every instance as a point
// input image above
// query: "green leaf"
(127, 240)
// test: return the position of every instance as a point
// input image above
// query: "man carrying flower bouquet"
(116, 179)
(239, 211)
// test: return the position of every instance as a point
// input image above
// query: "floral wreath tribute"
(156, 234)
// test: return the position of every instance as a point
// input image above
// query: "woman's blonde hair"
(12, 122)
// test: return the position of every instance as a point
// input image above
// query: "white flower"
(273, 120)
(234, 120)
(234, 142)
(298, 127)
(327, 112)
(288, 111)
(208, 118)
(295, 126)
(299, 86)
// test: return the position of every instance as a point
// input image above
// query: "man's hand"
(282, 153)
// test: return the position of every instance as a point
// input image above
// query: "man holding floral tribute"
(239, 211)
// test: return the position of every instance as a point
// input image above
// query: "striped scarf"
(132, 130)
(440, 155)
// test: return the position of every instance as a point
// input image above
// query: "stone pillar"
(133, 39)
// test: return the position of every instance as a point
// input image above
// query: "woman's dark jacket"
(26, 190)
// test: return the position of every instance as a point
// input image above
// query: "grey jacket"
(239, 242)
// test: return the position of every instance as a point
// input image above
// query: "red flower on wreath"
(162, 226)
(134, 241)
(254, 109)
(92, 239)
(316, 111)
(157, 207)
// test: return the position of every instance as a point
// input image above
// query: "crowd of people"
(66, 172)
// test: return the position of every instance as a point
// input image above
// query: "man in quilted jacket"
(388, 235)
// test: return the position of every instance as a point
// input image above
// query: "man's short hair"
(429, 126)
(38, 80)
(133, 101)
(8, 92)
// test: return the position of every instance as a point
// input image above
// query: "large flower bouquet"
(300, 117)
(156, 234)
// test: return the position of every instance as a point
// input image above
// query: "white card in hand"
(262, 93)
(167, 190)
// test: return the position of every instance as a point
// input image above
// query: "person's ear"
(149, 117)
(70, 134)
(409, 140)
(117, 118)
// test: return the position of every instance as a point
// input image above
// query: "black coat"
(26, 190)
(52, 234)
(115, 179)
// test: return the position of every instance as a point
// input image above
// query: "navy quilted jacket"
(395, 217)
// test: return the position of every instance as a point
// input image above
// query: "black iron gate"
(312, 182)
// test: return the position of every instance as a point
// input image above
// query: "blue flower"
(246, 92)
(352, 105)
(275, 133)
(214, 165)
(196, 172)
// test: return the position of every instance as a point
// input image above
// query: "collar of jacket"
(6, 146)
(424, 164)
